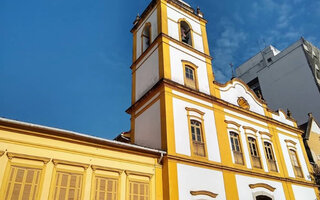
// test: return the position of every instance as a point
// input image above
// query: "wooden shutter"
(138, 190)
(106, 188)
(68, 186)
(23, 183)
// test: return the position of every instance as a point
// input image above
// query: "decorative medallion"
(243, 103)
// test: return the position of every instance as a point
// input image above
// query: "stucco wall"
(148, 127)
(192, 178)
(147, 73)
(246, 193)
(177, 54)
(181, 128)
(285, 153)
(153, 20)
(173, 28)
(303, 193)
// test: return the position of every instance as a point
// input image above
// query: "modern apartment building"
(288, 79)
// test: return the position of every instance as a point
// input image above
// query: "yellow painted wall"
(34, 150)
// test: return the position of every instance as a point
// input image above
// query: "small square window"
(269, 59)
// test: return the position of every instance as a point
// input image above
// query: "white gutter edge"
(81, 134)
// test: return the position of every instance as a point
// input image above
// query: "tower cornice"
(175, 3)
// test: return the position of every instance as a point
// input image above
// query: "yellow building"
(191, 137)
(40, 162)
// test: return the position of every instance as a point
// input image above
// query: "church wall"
(305, 193)
(147, 73)
(298, 149)
(177, 55)
(192, 178)
(174, 15)
(244, 143)
(148, 127)
(153, 20)
(246, 193)
(181, 126)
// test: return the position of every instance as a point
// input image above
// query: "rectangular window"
(138, 190)
(23, 183)
(254, 152)
(295, 163)
(197, 138)
(68, 186)
(190, 77)
(236, 148)
(106, 188)
(270, 157)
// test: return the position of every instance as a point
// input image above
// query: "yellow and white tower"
(222, 141)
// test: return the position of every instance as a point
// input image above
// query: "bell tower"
(170, 50)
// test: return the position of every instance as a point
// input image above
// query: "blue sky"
(65, 63)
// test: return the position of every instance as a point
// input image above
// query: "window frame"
(67, 167)
(273, 155)
(257, 151)
(238, 137)
(147, 25)
(294, 151)
(108, 173)
(189, 64)
(24, 161)
(191, 31)
(196, 115)
(141, 178)
(23, 165)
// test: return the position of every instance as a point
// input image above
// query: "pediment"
(238, 93)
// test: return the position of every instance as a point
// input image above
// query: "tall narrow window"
(138, 190)
(254, 152)
(106, 188)
(317, 72)
(23, 183)
(270, 157)
(197, 138)
(68, 186)
(190, 79)
(236, 148)
(185, 33)
(295, 163)
(145, 37)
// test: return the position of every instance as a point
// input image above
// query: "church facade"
(191, 137)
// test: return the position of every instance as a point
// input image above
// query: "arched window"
(146, 37)
(255, 157)
(185, 33)
(197, 138)
(263, 197)
(236, 148)
(270, 157)
(295, 163)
